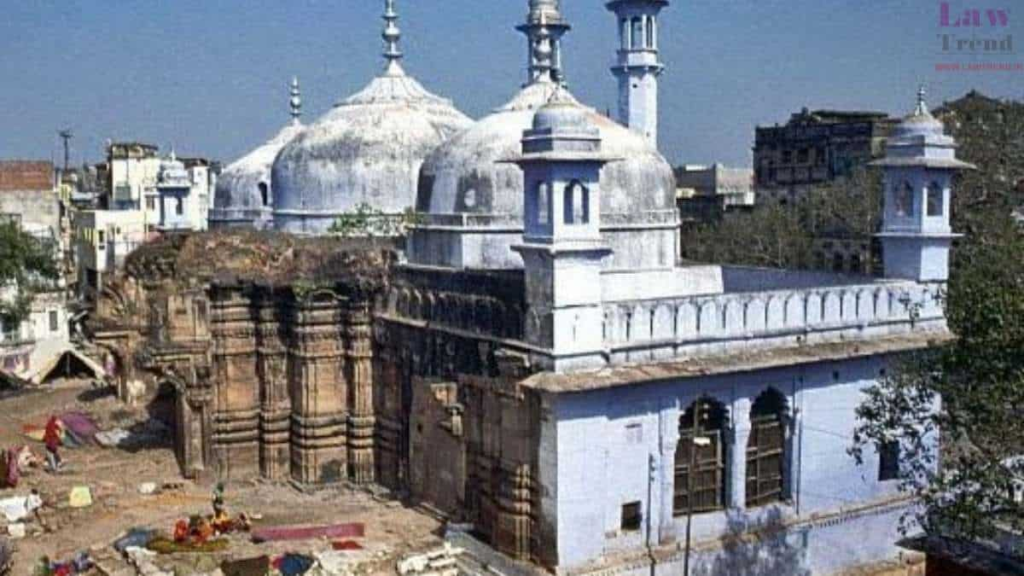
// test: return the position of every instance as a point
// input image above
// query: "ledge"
(747, 361)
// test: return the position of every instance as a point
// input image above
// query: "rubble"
(439, 562)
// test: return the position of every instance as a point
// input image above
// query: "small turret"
(562, 247)
(919, 166)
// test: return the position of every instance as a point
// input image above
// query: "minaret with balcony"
(638, 67)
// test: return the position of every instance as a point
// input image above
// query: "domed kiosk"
(470, 195)
(367, 150)
(244, 195)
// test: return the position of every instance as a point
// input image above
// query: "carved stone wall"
(340, 383)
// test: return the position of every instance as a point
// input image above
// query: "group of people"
(200, 529)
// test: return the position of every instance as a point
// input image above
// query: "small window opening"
(935, 199)
(264, 193)
(632, 517)
(904, 200)
(888, 461)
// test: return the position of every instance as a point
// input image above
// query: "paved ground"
(114, 475)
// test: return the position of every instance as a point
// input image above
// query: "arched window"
(935, 200)
(856, 264)
(624, 27)
(637, 33)
(264, 193)
(543, 203)
(766, 449)
(903, 198)
(576, 203)
(650, 32)
(702, 450)
(838, 263)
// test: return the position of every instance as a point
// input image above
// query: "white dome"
(470, 175)
(244, 193)
(475, 162)
(367, 150)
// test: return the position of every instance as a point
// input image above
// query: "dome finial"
(922, 106)
(544, 28)
(296, 101)
(391, 35)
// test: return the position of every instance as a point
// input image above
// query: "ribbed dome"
(368, 149)
(241, 187)
(470, 173)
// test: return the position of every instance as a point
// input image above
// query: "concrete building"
(133, 171)
(538, 365)
(103, 239)
(815, 148)
(28, 194)
(706, 193)
(245, 195)
(29, 197)
(183, 206)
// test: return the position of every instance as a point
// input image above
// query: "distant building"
(28, 197)
(134, 168)
(815, 148)
(183, 196)
(103, 239)
(27, 193)
(705, 193)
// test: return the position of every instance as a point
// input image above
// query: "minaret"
(295, 102)
(638, 66)
(919, 166)
(544, 29)
(392, 34)
(562, 248)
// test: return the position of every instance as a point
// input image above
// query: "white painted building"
(103, 239)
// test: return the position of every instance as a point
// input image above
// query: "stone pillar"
(359, 340)
(236, 409)
(740, 434)
(275, 401)
(387, 408)
(319, 392)
(513, 510)
(668, 443)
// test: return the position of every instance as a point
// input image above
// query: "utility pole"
(66, 135)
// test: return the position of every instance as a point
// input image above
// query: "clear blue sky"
(210, 76)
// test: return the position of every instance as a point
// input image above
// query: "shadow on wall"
(764, 549)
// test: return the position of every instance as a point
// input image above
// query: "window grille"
(704, 420)
(766, 450)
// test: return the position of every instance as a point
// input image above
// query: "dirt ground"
(114, 475)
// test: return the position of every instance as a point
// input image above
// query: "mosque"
(538, 364)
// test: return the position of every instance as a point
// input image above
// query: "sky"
(210, 77)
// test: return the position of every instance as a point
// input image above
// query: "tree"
(776, 235)
(368, 221)
(969, 394)
(27, 264)
(957, 413)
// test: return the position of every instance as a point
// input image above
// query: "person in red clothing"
(52, 439)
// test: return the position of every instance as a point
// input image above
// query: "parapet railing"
(752, 316)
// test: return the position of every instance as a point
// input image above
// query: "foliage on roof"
(259, 256)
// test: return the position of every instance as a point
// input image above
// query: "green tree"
(777, 235)
(969, 394)
(958, 412)
(371, 222)
(27, 264)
